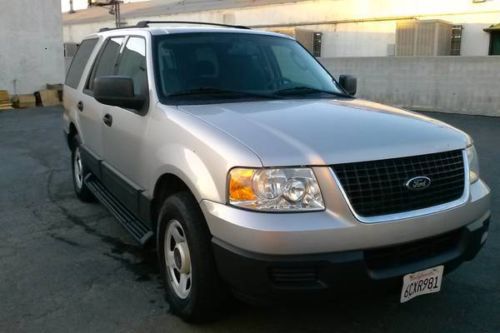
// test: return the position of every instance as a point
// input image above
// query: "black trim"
(126, 192)
(92, 161)
(141, 232)
(264, 278)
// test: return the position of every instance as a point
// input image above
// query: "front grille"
(378, 187)
(408, 253)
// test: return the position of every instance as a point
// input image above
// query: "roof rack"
(111, 29)
(145, 24)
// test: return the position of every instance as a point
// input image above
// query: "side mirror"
(349, 83)
(117, 91)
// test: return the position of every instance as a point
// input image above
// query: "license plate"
(422, 283)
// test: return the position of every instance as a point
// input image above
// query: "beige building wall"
(354, 28)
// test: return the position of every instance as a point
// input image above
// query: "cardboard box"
(24, 101)
(5, 100)
(49, 97)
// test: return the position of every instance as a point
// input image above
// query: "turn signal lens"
(240, 185)
(473, 164)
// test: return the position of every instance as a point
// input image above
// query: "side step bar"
(133, 225)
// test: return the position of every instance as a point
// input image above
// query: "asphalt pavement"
(66, 266)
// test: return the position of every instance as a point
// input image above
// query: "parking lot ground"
(66, 266)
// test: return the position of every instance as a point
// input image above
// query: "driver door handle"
(108, 120)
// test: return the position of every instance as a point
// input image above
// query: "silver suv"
(256, 173)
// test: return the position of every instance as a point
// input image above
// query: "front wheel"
(79, 173)
(193, 287)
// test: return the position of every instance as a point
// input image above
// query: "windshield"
(231, 66)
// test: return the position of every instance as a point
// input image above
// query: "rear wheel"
(79, 173)
(193, 287)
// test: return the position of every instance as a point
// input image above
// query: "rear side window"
(106, 64)
(79, 61)
(133, 64)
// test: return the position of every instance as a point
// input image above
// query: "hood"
(323, 132)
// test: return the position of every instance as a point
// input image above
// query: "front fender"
(194, 151)
(191, 170)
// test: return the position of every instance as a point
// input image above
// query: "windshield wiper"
(303, 90)
(209, 91)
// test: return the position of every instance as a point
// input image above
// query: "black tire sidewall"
(207, 291)
(82, 193)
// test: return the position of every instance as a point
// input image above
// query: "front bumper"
(259, 277)
(336, 229)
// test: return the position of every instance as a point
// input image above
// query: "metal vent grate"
(378, 187)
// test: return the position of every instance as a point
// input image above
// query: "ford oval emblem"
(418, 183)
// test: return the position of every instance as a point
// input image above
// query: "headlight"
(275, 190)
(473, 164)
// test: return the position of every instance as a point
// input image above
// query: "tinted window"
(106, 64)
(133, 63)
(79, 61)
(241, 64)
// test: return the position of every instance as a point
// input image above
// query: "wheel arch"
(167, 185)
(72, 133)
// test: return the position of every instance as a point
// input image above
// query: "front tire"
(193, 288)
(79, 173)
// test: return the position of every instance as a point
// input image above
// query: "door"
(123, 129)
(87, 122)
(90, 109)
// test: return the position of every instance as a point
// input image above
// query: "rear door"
(73, 93)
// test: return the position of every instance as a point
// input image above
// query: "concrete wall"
(31, 44)
(467, 85)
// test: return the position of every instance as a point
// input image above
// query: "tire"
(184, 240)
(79, 171)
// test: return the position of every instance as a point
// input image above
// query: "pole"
(71, 8)
(118, 16)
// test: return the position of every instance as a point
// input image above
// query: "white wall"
(31, 44)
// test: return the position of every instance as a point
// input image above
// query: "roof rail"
(145, 24)
(111, 29)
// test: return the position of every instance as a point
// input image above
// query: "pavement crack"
(65, 240)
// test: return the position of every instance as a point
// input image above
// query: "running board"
(132, 224)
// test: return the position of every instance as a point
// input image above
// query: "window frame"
(122, 49)
(91, 74)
